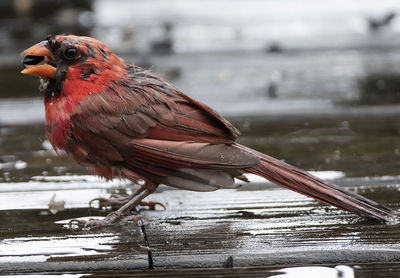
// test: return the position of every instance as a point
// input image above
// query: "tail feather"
(304, 183)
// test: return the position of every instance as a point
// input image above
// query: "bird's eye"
(70, 53)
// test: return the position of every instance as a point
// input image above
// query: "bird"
(378, 23)
(122, 121)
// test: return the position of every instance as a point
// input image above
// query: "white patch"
(44, 82)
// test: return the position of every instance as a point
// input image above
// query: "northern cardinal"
(124, 122)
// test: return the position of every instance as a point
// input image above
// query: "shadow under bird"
(124, 122)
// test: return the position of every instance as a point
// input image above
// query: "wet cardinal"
(124, 122)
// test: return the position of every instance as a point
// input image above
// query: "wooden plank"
(256, 225)
(270, 226)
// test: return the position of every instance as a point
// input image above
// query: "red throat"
(74, 89)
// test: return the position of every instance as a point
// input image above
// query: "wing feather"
(146, 126)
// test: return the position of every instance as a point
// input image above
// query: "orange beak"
(38, 61)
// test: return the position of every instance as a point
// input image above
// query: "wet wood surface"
(255, 226)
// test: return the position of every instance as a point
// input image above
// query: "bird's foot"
(116, 201)
(122, 214)
(110, 219)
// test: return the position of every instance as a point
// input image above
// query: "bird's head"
(72, 64)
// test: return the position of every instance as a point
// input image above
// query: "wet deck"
(256, 225)
(315, 101)
(245, 232)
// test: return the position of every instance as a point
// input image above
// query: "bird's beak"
(38, 61)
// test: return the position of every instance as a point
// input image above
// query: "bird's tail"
(304, 183)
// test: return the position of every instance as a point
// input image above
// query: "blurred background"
(315, 83)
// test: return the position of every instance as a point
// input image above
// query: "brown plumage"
(122, 121)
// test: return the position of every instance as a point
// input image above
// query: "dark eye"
(71, 53)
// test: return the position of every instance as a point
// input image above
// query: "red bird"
(124, 122)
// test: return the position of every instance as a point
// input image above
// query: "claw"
(101, 201)
(152, 205)
(93, 223)
(76, 222)
(139, 219)
(91, 202)
(114, 200)
(118, 201)
(112, 218)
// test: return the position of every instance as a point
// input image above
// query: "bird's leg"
(119, 215)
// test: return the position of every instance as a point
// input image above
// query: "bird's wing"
(150, 126)
(148, 107)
